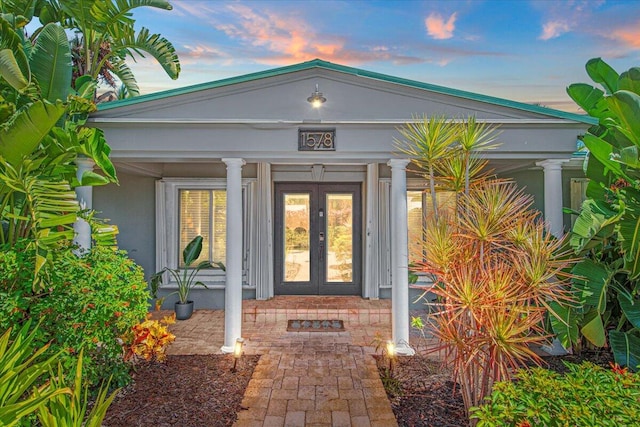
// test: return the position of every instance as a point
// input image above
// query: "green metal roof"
(318, 63)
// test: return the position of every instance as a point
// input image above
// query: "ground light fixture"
(237, 353)
(391, 354)
(316, 99)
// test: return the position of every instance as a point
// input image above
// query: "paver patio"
(303, 378)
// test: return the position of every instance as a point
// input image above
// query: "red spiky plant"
(495, 269)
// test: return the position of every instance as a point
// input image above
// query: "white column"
(553, 195)
(85, 198)
(233, 261)
(399, 257)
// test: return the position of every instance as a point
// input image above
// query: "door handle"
(321, 247)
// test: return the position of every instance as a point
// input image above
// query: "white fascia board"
(289, 123)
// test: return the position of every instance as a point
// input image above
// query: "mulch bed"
(195, 391)
(186, 391)
(422, 393)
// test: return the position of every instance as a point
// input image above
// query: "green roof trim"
(318, 63)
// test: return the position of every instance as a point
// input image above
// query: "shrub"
(88, 303)
(587, 395)
(149, 340)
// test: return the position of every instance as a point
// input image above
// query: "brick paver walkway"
(303, 378)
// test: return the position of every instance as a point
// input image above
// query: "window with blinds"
(419, 207)
(203, 212)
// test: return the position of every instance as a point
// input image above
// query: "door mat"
(315, 326)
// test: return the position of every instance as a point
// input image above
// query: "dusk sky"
(523, 50)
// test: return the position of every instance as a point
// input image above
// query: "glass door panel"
(339, 256)
(297, 227)
(317, 239)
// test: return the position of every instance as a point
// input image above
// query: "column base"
(227, 349)
(403, 349)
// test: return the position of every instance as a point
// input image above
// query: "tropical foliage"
(607, 229)
(89, 303)
(492, 263)
(586, 396)
(105, 37)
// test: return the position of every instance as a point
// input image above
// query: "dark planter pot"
(184, 311)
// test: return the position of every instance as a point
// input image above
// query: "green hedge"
(587, 395)
(88, 303)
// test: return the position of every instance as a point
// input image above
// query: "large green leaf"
(626, 348)
(631, 309)
(626, 107)
(589, 98)
(21, 8)
(124, 73)
(564, 322)
(192, 251)
(28, 128)
(593, 328)
(604, 152)
(592, 280)
(14, 64)
(630, 80)
(595, 222)
(629, 231)
(153, 44)
(10, 70)
(51, 63)
(119, 11)
(601, 72)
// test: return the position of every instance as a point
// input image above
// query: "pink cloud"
(438, 28)
(290, 38)
(553, 29)
(629, 36)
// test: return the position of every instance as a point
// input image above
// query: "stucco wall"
(131, 206)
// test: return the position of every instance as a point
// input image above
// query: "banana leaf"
(626, 348)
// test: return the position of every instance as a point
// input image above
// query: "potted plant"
(185, 278)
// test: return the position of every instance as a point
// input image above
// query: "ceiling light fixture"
(316, 99)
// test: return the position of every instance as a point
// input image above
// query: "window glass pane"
(446, 201)
(219, 245)
(296, 239)
(194, 221)
(414, 209)
(339, 238)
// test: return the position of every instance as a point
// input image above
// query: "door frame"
(317, 284)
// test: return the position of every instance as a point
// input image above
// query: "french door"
(318, 239)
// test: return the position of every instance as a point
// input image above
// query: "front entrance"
(318, 239)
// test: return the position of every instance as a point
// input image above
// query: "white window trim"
(167, 225)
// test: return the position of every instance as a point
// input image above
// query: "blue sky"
(522, 50)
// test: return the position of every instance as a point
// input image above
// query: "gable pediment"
(351, 97)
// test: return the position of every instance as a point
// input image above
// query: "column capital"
(398, 163)
(234, 161)
(551, 164)
(84, 163)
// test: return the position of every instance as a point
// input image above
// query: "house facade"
(302, 199)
